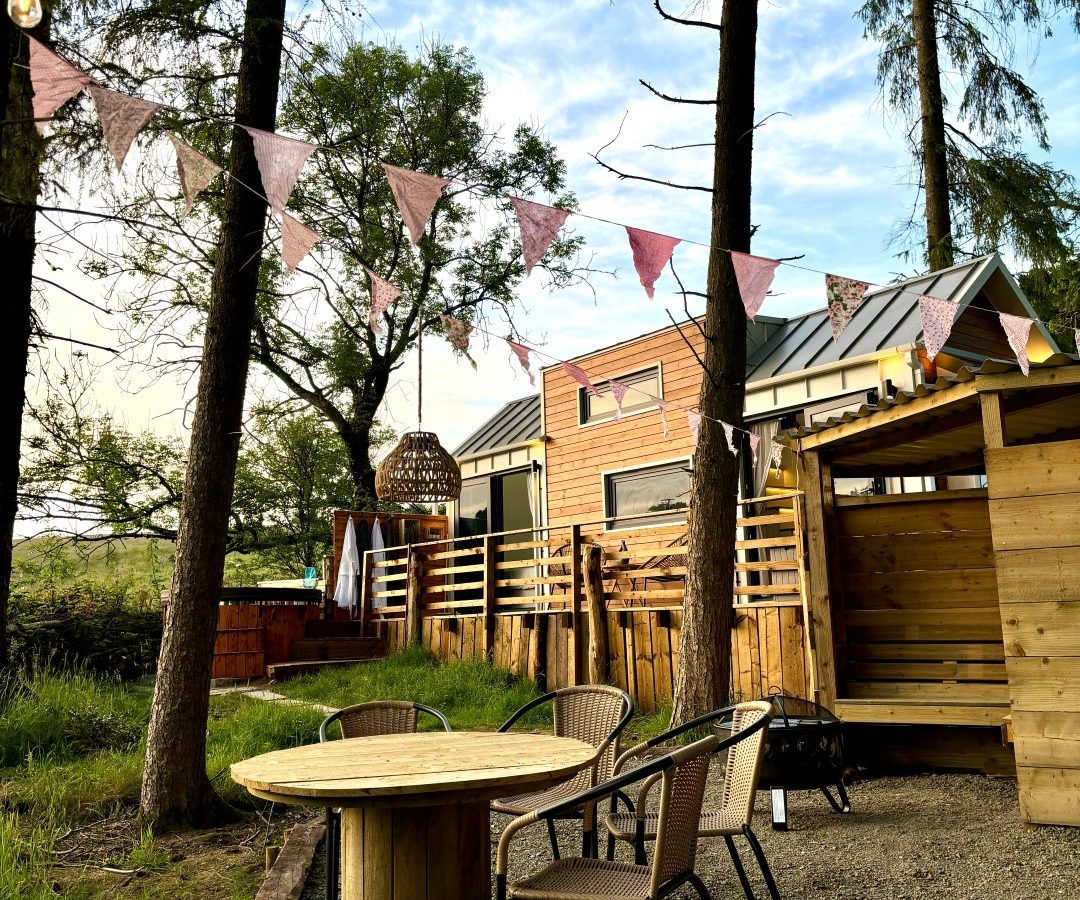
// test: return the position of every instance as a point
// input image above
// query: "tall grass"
(472, 694)
(22, 862)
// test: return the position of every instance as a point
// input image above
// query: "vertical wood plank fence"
(519, 598)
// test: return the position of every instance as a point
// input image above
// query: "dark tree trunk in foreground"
(939, 241)
(703, 679)
(175, 786)
(20, 177)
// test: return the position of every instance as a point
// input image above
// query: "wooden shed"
(955, 612)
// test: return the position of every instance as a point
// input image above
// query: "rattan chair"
(682, 775)
(366, 720)
(638, 825)
(595, 714)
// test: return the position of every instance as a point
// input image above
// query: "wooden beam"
(959, 464)
(993, 421)
(818, 484)
(1062, 376)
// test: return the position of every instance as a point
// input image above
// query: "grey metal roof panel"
(518, 421)
(887, 317)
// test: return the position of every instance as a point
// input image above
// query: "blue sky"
(831, 178)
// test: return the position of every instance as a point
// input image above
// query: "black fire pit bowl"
(804, 751)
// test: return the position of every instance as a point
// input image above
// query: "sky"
(832, 176)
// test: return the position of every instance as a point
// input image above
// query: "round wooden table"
(414, 807)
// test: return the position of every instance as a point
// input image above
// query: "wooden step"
(337, 648)
(921, 712)
(328, 628)
(285, 670)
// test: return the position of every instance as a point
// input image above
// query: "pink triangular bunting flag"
(693, 419)
(296, 240)
(416, 195)
(1076, 335)
(729, 436)
(1017, 329)
(776, 454)
(651, 253)
(457, 333)
(937, 321)
(55, 80)
(539, 224)
(618, 391)
(522, 354)
(122, 117)
(280, 161)
(755, 275)
(844, 296)
(383, 293)
(194, 169)
(581, 377)
(755, 441)
(663, 405)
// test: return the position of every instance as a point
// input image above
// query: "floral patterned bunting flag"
(729, 435)
(1017, 329)
(618, 391)
(55, 80)
(776, 454)
(581, 377)
(457, 333)
(539, 224)
(755, 275)
(844, 296)
(1076, 335)
(755, 441)
(280, 160)
(122, 117)
(383, 293)
(416, 195)
(297, 240)
(522, 354)
(194, 169)
(663, 406)
(651, 253)
(693, 419)
(937, 321)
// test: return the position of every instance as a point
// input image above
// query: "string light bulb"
(24, 13)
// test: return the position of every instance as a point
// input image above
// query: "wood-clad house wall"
(578, 455)
(1035, 514)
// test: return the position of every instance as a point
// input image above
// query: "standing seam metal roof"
(518, 421)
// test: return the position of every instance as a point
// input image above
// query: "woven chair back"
(681, 793)
(378, 717)
(590, 713)
(744, 762)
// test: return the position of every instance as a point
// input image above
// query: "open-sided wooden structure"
(956, 607)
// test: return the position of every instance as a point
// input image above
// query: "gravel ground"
(950, 836)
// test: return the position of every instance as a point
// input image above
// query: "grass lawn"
(71, 752)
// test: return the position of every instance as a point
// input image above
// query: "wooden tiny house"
(957, 607)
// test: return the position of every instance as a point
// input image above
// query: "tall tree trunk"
(175, 787)
(939, 242)
(20, 178)
(703, 679)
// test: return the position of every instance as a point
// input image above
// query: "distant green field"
(142, 564)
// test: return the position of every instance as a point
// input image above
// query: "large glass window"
(653, 490)
(644, 385)
(473, 508)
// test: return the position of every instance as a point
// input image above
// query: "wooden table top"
(407, 767)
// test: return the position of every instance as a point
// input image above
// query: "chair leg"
(699, 886)
(760, 854)
(553, 838)
(500, 887)
(610, 846)
(333, 868)
(740, 871)
(639, 844)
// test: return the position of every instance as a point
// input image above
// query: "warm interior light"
(24, 13)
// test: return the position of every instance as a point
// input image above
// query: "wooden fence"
(528, 601)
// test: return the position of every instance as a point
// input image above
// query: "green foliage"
(472, 694)
(999, 196)
(1054, 292)
(23, 858)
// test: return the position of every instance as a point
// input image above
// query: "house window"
(837, 406)
(631, 495)
(642, 384)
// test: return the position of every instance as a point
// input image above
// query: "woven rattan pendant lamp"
(418, 469)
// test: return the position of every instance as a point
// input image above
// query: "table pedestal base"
(416, 853)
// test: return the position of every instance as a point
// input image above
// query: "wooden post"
(575, 602)
(538, 651)
(992, 421)
(810, 663)
(327, 578)
(367, 577)
(599, 664)
(490, 574)
(817, 478)
(413, 598)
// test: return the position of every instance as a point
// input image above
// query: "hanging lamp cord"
(420, 373)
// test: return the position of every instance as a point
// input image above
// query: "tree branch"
(663, 96)
(671, 18)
